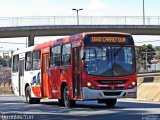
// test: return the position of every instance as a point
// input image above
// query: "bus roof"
(106, 32)
(23, 50)
(64, 40)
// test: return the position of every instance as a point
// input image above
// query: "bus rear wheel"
(67, 101)
(111, 102)
(29, 99)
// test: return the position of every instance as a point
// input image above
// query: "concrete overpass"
(60, 30)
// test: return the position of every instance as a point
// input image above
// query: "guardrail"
(148, 74)
(83, 20)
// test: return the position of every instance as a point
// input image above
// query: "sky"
(21, 8)
(17, 8)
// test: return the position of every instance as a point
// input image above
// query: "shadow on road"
(82, 110)
(119, 105)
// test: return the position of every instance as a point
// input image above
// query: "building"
(4, 53)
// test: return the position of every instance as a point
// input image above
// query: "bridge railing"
(83, 20)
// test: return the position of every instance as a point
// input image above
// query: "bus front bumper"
(90, 94)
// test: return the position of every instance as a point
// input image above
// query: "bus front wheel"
(67, 101)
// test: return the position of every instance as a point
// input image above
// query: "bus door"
(77, 82)
(45, 80)
(21, 77)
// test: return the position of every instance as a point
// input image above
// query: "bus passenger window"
(15, 63)
(66, 54)
(28, 61)
(36, 60)
(55, 59)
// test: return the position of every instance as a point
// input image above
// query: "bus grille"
(111, 82)
(112, 93)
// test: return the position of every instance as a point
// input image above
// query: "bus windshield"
(109, 61)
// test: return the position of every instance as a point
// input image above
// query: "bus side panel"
(33, 78)
(54, 81)
(15, 83)
(58, 76)
(66, 76)
(36, 91)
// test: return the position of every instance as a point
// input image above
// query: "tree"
(5, 75)
(8, 61)
(157, 48)
(144, 55)
(157, 56)
(3, 62)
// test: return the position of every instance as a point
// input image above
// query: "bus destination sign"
(109, 39)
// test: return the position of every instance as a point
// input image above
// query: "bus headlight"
(89, 84)
(133, 83)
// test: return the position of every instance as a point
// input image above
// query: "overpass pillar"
(31, 40)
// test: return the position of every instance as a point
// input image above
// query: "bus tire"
(111, 102)
(29, 100)
(61, 102)
(67, 101)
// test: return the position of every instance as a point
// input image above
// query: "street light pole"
(143, 14)
(77, 10)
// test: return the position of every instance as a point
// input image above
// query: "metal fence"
(83, 20)
(154, 67)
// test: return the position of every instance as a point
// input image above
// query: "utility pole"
(77, 10)
(143, 14)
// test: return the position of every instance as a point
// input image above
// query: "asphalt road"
(12, 107)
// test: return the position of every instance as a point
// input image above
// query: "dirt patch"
(5, 89)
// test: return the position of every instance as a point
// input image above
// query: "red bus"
(87, 66)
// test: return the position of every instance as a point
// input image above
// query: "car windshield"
(109, 61)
